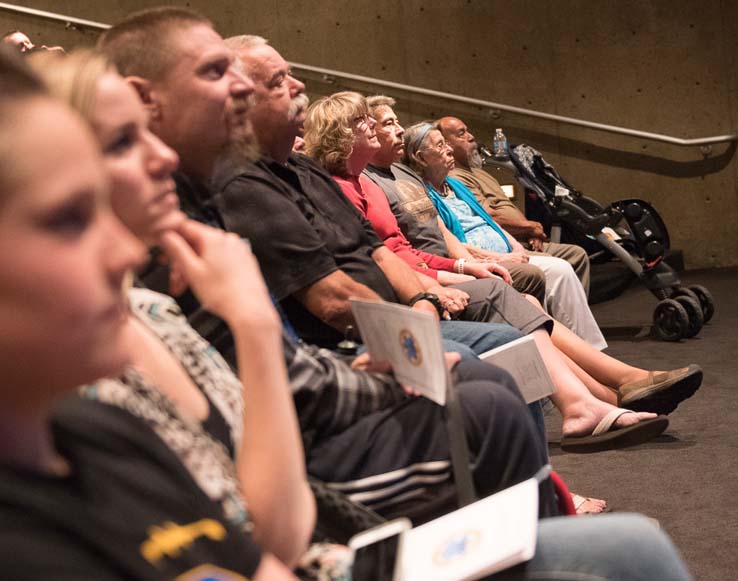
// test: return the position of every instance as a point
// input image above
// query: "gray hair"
(376, 101)
(415, 137)
(245, 42)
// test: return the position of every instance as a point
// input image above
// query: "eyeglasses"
(439, 146)
(364, 119)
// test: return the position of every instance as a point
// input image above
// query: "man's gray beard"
(297, 106)
(475, 160)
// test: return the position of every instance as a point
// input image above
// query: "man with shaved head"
(17, 40)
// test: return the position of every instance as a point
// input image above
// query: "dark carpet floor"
(686, 479)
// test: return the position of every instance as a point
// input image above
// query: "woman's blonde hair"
(329, 134)
(18, 86)
(73, 78)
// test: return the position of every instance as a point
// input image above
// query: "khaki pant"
(528, 279)
(574, 255)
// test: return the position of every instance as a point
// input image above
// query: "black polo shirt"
(302, 228)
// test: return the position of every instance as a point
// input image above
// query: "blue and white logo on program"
(210, 573)
(456, 547)
(410, 347)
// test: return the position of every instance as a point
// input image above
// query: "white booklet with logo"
(410, 340)
(490, 535)
(522, 359)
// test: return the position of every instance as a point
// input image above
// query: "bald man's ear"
(143, 89)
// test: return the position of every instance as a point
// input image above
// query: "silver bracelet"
(460, 265)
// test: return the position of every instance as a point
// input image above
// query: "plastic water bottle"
(499, 145)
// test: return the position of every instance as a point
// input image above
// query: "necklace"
(445, 190)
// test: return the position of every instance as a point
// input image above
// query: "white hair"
(245, 42)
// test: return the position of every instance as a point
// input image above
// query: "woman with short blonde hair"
(329, 133)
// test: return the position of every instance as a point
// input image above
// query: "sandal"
(660, 392)
(604, 437)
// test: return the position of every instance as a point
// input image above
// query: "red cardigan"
(370, 200)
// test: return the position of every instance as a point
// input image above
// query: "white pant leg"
(566, 301)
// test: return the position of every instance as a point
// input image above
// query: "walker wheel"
(670, 320)
(694, 312)
(706, 301)
(683, 291)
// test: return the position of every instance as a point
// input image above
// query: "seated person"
(175, 381)
(340, 134)
(427, 153)
(23, 44)
(468, 170)
(79, 506)
(420, 222)
(17, 40)
(99, 496)
(348, 418)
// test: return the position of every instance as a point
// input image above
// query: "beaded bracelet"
(460, 265)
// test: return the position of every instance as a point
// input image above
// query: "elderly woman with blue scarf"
(428, 154)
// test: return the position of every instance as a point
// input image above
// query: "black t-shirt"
(302, 228)
(128, 510)
(196, 201)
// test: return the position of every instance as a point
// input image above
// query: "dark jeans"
(391, 457)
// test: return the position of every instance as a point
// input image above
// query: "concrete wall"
(665, 66)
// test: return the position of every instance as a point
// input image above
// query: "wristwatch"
(431, 298)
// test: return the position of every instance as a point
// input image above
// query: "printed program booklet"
(482, 538)
(410, 340)
(522, 359)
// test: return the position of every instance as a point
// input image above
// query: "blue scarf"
(450, 219)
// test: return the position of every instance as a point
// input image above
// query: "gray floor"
(686, 479)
